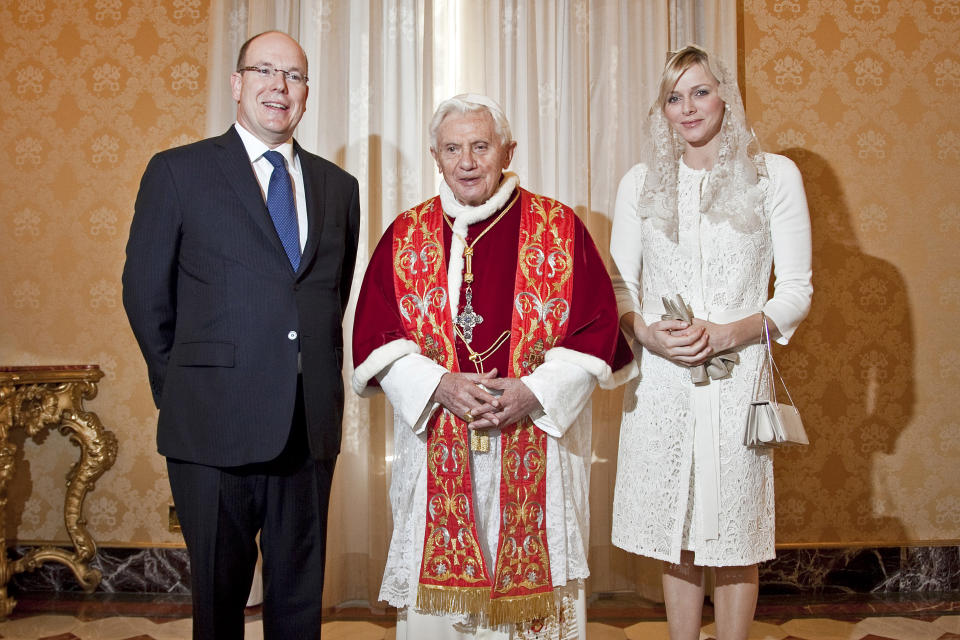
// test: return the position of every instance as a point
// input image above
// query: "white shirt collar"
(256, 147)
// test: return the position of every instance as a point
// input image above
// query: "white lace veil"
(732, 193)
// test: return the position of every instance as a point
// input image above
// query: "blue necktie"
(282, 208)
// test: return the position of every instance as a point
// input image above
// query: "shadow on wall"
(850, 370)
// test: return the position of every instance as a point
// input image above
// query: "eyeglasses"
(293, 77)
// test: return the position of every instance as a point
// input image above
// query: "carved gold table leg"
(7, 453)
(34, 399)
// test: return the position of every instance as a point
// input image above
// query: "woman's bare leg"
(683, 597)
(735, 601)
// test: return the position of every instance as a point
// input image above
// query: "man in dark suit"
(238, 269)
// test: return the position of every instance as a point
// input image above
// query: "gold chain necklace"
(480, 442)
(478, 358)
(467, 319)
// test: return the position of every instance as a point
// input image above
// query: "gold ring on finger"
(468, 417)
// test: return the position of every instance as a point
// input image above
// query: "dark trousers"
(221, 510)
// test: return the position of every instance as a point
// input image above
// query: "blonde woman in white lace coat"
(705, 215)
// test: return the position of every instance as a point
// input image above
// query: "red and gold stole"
(453, 575)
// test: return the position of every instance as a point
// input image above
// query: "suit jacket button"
(292, 335)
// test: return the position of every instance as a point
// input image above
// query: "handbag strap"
(767, 362)
(763, 363)
(783, 384)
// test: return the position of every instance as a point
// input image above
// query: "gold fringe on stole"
(522, 608)
(440, 600)
(437, 600)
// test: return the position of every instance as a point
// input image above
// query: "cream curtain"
(371, 100)
(575, 78)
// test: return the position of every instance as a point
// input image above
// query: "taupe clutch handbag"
(771, 423)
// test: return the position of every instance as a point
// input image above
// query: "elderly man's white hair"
(468, 103)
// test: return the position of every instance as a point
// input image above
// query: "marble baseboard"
(887, 570)
(125, 570)
(902, 570)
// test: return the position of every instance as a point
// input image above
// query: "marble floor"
(166, 618)
(64, 627)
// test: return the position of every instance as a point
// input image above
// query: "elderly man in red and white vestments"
(487, 317)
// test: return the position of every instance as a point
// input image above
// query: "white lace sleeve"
(626, 245)
(790, 233)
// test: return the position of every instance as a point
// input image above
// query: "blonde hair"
(677, 64)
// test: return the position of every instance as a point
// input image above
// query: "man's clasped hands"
(485, 401)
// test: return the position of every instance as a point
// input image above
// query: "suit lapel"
(313, 187)
(235, 164)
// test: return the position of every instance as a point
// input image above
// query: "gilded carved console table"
(34, 399)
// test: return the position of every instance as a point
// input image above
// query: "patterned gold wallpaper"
(863, 95)
(90, 89)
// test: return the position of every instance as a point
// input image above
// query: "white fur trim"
(471, 215)
(455, 274)
(379, 359)
(622, 375)
(463, 216)
(606, 378)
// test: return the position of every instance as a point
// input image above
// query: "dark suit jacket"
(220, 314)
